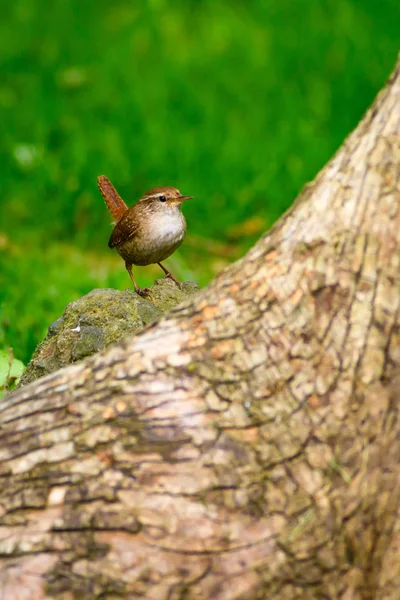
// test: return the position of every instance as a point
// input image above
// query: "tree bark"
(245, 447)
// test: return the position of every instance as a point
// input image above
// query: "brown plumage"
(150, 230)
(113, 200)
(123, 230)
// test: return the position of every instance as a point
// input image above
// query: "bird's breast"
(156, 239)
(169, 227)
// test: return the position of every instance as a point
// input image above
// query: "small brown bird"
(147, 232)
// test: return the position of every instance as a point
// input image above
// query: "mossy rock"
(99, 319)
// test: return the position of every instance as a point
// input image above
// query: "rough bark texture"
(248, 445)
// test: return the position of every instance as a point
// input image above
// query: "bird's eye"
(162, 198)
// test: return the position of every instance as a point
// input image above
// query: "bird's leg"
(168, 274)
(138, 290)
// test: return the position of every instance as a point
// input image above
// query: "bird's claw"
(178, 283)
(143, 292)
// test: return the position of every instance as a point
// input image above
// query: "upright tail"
(113, 200)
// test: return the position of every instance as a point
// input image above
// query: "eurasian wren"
(150, 230)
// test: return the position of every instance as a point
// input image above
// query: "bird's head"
(166, 195)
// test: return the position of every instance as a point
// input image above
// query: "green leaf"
(11, 370)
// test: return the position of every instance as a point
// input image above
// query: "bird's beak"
(182, 198)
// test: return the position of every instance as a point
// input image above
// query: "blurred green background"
(238, 103)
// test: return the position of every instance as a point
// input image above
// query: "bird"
(149, 231)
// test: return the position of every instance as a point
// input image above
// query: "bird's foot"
(144, 292)
(170, 276)
(178, 283)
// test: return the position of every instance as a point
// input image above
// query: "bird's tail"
(113, 200)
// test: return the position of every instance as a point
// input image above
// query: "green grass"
(238, 103)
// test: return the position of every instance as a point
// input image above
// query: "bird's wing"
(124, 230)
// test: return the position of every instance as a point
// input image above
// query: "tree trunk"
(245, 447)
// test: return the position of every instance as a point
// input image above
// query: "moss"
(91, 340)
(99, 319)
